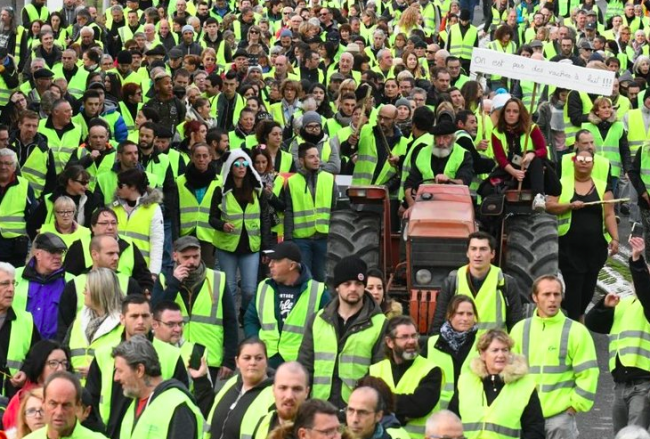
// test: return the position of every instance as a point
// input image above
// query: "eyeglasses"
(312, 127)
(172, 325)
(107, 223)
(33, 412)
(53, 364)
(583, 159)
(6, 283)
(254, 32)
(64, 212)
(330, 432)
(243, 164)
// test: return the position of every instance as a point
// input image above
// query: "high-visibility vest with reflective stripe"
(77, 84)
(168, 356)
(489, 300)
(502, 419)
(364, 168)
(569, 129)
(20, 340)
(5, 92)
(287, 343)
(309, 215)
(610, 146)
(623, 106)
(21, 291)
(260, 406)
(33, 14)
(82, 352)
(175, 158)
(568, 190)
(80, 286)
(154, 421)
(567, 6)
(636, 132)
(444, 361)
(35, 170)
(522, 141)
(423, 162)
(20, 33)
(527, 94)
(462, 46)
(126, 33)
(600, 170)
(204, 325)
(195, 216)
(353, 360)
(12, 210)
(250, 217)
(67, 238)
(126, 115)
(407, 385)
(645, 167)
(424, 139)
(478, 178)
(264, 427)
(137, 225)
(106, 365)
(278, 185)
(62, 148)
(629, 338)
(107, 182)
(158, 170)
(104, 167)
(549, 344)
(429, 15)
(510, 48)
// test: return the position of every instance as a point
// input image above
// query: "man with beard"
(467, 128)
(442, 163)
(567, 47)
(290, 390)
(344, 338)
(342, 117)
(310, 196)
(229, 102)
(311, 131)
(170, 409)
(219, 143)
(486, 284)
(204, 292)
(106, 392)
(381, 153)
(283, 303)
(415, 381)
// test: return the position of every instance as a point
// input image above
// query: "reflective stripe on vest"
(137, 225)
(353, 360)
(455, 159)
(568, 186)
(20, 341)
(637, 134)
(81, 351)
(195, 217)
(444, 361)
(287, 343)
(462, 47)
(629, 338)
(62, 147)
(569, 129)
(12, 210)
(311, 214)
(489, 300)
(610, 146)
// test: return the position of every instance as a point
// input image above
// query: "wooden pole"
(617, 200)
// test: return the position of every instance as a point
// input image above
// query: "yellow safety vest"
(489, 300)
(195, 216)
(636, 134)
(311, 214)
(12, 210)
(569, 129)
(629, 338)
(462, 47)
(568, 189)
(136, 225)
(609, 147)
(249, 218)
(446, 363)
(20, 340)
(62, 147)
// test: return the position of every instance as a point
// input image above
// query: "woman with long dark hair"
(239, 215)
(319, 93)
(376, 286)
(269, 134)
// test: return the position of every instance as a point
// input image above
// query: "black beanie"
(350, 268)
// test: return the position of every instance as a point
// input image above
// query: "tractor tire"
(531, 250)
(353, 233)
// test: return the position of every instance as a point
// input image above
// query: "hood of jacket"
(515, 370)
(597, 120)
(152, 196)
(225, 169)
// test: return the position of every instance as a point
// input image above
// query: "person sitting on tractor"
(441, 162)
(493, 291)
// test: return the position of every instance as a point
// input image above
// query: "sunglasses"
(583, 159)
(243, 164)
(254, 32)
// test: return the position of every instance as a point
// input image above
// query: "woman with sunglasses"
(253, 37)
(239, 214)
(73, 183)
(585, 232)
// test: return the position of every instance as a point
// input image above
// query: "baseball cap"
(285, 250)
(182, 244)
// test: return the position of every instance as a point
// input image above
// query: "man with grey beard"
(441, 162)
(8, 31)
(405, 362)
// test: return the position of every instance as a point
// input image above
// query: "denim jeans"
(631, 404)
(248, 265)
(314, 256)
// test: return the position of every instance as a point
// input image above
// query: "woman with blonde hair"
(408, 21)
(30, 414)
(98, 318)
(347, 86)
(497, 393)
(65, 226)
(209, 60)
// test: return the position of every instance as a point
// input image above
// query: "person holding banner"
(520, 151)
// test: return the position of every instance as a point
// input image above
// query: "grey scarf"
(454, 338)
(195, 277)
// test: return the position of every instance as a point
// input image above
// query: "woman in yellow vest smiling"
(496, 395)
(245, 398)
(585, 231)
(98, 322)
(239, 215)
(452, 348)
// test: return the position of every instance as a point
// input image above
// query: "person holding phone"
(586, 227)
(627, 321)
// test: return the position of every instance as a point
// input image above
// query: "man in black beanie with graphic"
(349, 333)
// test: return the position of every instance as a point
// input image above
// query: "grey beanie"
(311, 117)
(403, 101)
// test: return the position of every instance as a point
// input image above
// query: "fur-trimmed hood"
(233, 155)
(597, 120)
(514, 371)
(152, 196)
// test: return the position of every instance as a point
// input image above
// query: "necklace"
(494, 384)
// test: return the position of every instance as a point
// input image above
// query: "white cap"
(498, 101)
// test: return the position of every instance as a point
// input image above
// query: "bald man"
(381, 151)
(364, 414)
(444, 424)
(290, 390)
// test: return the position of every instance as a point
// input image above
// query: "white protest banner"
(562, 75)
